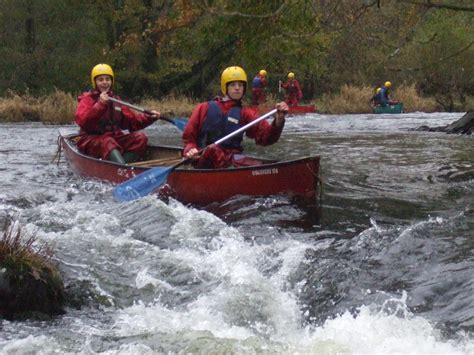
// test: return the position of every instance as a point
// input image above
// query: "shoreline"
(59, 107)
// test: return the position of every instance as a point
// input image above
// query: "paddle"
(150, 180)
(177, 121)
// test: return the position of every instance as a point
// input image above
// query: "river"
(384, 265)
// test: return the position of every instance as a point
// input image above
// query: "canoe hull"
(201, 187)
(398, 108)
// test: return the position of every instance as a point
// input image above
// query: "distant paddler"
(259, 83)
(293, 90)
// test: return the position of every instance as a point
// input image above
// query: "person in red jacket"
(258, 87)
(101, 122)
(293, 90)
(219, 117)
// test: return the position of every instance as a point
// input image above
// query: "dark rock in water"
(28, 292)
(465, 125)
(30, 285)
(83, 293)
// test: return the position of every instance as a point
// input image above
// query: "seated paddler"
(219, 117)
(102, 122)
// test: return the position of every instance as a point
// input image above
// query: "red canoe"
(298, 177)
(295, 110)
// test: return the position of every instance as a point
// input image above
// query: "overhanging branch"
(430, 4)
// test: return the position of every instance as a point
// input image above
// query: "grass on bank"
(59, 107)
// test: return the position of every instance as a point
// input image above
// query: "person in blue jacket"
(384, 95)
(258, 87)
(375, 100)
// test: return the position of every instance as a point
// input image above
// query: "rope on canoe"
(57, 156)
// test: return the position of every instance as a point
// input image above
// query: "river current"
(384, 265)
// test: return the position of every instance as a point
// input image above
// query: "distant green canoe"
(398, 108)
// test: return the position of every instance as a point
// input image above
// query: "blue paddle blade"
(141, 185)
(180, 122)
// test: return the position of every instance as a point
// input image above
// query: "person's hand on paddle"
(153, 113)
(192, 153)
(282, 110)
(104, 97)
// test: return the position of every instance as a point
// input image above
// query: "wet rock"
(465, 125)
(30, 284)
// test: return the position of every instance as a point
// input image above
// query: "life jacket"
(111, 119)
(292, 87)
(217, 125)
(257, 82)
(376, 97)
(383, 95)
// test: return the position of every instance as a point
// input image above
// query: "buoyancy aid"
(292, 87)
(376, 98)
(384, 95)
(111, 119)
(257, 82)
(217, 125)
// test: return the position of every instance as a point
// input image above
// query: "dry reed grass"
(355, 99)
(413, 102)
(55, 108)
(16, 108)
(59, 107)
(350, 99)
(470, 103)
(171, 105)
(15, 248)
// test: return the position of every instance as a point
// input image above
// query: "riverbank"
(59, 107)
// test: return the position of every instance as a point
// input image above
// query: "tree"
(43, 49)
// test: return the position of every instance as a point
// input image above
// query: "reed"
(355, 99)
(15, 247)
(57, 108)
(349, 99)
(469, 103)
(171, 105)
(16, 108)
(413, 102)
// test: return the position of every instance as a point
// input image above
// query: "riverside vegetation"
(59, 107)
(175, 51)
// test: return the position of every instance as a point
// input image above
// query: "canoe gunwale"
(297, 177)
(266, 162)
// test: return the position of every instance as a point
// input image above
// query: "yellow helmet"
(101, 69)
(263, 72)
(378, 90)
(232, 74)
(291, 75)
(387, 84)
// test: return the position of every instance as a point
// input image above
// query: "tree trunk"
(465, 125)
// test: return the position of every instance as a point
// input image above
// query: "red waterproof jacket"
(263, 133)
(102, 124)
(294, 93)
(95, 117)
